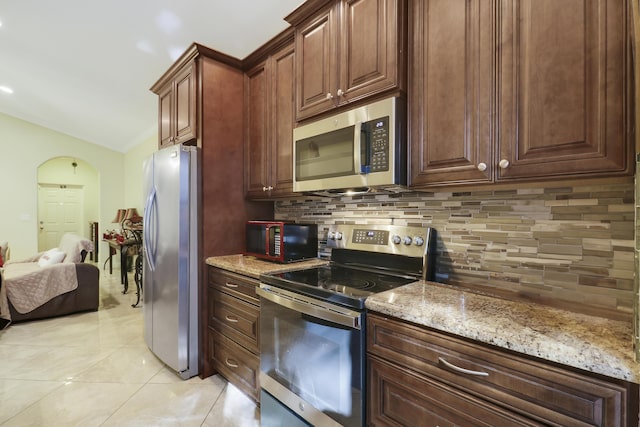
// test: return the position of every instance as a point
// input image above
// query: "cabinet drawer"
(400, 398)
(234, 284)
(235, 318)
(539, 390)
(239, 366)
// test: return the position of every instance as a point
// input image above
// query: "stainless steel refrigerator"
(170, 245)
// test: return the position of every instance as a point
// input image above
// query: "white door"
(60, 210)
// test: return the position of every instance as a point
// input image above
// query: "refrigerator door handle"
(150, 250)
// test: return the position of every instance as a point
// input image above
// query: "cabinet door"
(370, 46)
(283, 112)
(450, 96)
(256, 154)
(165, 116)
(561, 88)
(185, 105)
(316, 64)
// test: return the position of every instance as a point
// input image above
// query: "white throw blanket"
(28, 286)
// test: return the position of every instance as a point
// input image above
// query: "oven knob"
(407, 240)
(418, 241)
(396, 240)
(331, 235)
(338, 235)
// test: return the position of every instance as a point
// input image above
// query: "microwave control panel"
(378, 135)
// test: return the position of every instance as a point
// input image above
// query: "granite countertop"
(254, 267)
(591, 343)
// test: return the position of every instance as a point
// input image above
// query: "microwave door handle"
(357, 149)
(362, 149)
(267, 240)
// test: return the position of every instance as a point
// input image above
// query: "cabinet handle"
(269, 188)
(462, 370)
(231, 285)
(482, 167)
(504, 163)
(231, 319)
(329, 95)
(340, 92)
(264, 188)
(230, 363)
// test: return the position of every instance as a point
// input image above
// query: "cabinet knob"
(340, 92)
(264, 188)
(329, 95)
(269, 188)
(504, 163)
(482, 167)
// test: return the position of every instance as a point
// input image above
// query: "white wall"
(25, 146)
(133, 160)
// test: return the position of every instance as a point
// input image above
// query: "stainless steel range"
(312, 337)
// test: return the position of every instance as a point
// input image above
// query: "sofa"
(51, 283)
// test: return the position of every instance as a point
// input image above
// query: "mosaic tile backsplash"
(573, 245)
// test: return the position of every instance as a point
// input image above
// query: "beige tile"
(17, 395)
(171, 404)
(127, 365)
(233, 409)
(93, 368)
(47, 363)
(75, 404)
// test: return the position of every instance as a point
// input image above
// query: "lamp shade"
(120, 215)
(132, 214)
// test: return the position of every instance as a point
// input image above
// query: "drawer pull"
(231, 285)
(231, 363)
(462, 370)
(231, 319)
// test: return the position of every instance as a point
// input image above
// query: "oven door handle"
(311, 307)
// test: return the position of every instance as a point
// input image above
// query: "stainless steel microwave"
(360, 148)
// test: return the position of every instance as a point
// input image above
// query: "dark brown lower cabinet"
(238, 365)
(414, 378)
(399, 397)
(233, 329)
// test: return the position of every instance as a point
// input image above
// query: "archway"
(68, 200)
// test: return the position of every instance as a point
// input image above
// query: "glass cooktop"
(337, 283)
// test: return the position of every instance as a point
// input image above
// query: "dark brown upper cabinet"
(347, 50)
(508, 90)
(269, 119)
(177, 107)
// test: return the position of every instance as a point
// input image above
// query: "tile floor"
(94, 369)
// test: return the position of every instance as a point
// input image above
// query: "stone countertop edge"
(591, 343)
(254, 267)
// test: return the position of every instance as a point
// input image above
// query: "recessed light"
(6, 89)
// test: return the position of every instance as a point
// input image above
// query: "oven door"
(312, 357)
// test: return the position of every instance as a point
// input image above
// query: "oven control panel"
(371, 237)
(393, 239)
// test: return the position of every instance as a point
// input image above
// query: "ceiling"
(84, 68)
